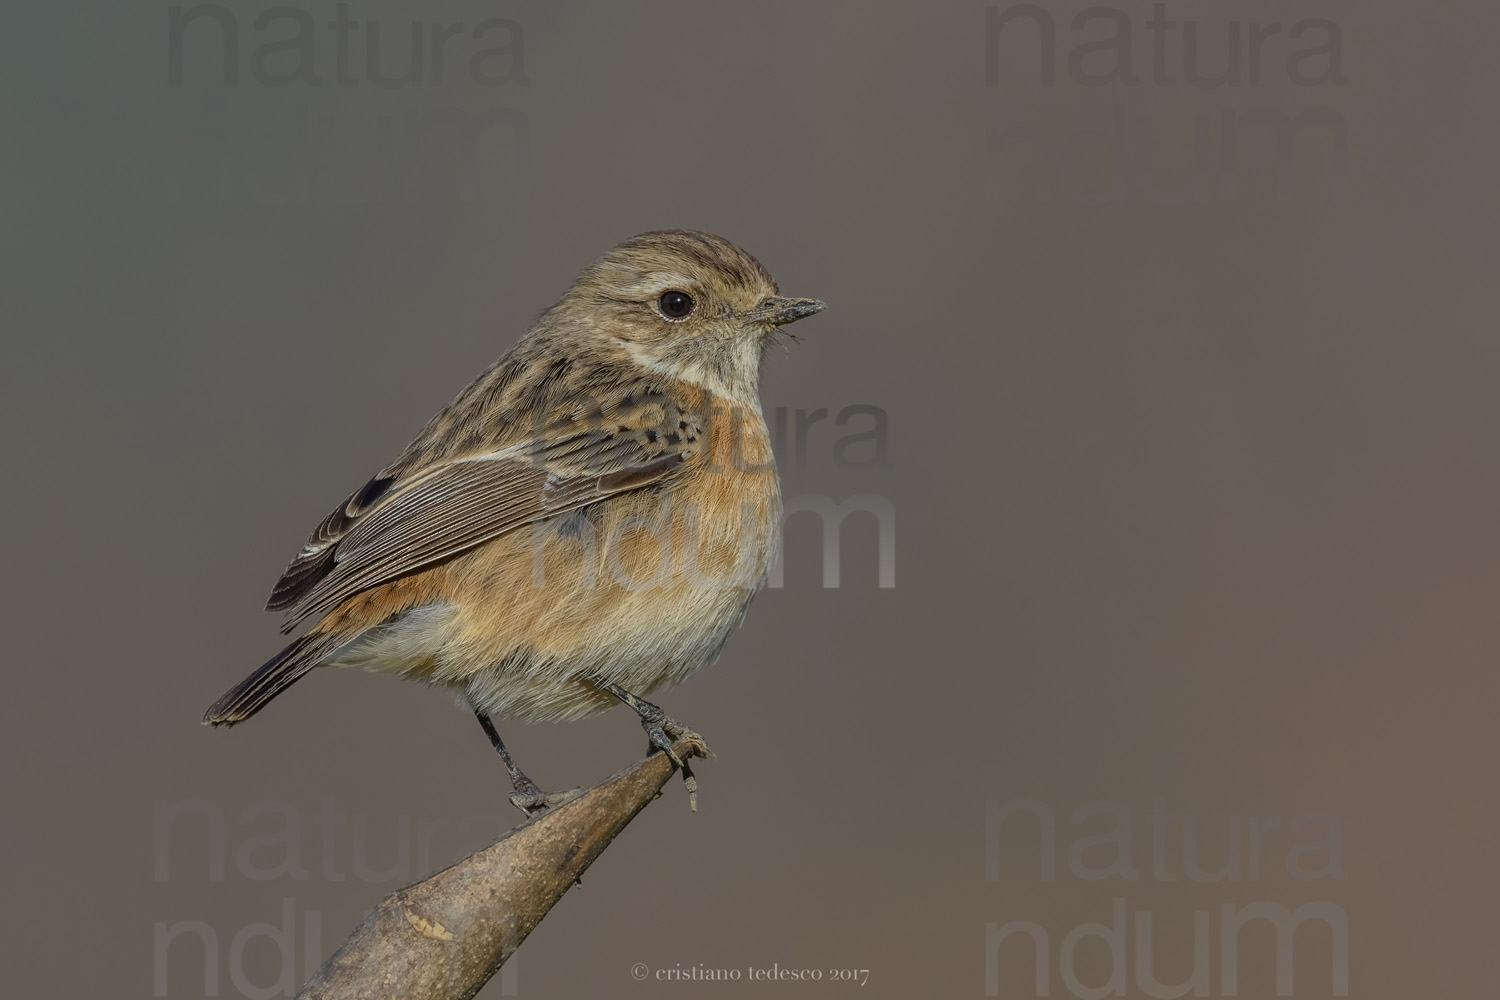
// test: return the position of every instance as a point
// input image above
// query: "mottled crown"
(650, 262)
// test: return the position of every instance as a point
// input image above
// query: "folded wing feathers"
(463, 503)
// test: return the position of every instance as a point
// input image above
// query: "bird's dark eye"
(675, 304)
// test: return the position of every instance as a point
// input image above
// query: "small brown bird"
(586, 522)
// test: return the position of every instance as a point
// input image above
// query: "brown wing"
(393, 527)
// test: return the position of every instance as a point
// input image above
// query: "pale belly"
(532, 616)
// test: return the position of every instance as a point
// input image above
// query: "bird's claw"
(534, 801)
(660, 739)
(675, 740)
(680, 744)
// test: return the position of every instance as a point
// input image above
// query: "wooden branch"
(446, 935)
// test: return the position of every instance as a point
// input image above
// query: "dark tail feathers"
(279, 673)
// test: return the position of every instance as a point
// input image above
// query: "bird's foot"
(680, 744)
(533, 802)
(671, 737)
(675, 740)
(527, 797)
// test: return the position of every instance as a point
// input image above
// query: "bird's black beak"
(779, 310)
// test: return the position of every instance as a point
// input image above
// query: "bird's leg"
(527, 797)
(662, 733)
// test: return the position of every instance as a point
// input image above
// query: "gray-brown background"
(1194, 503)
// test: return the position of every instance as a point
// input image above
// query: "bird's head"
(685, 304)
